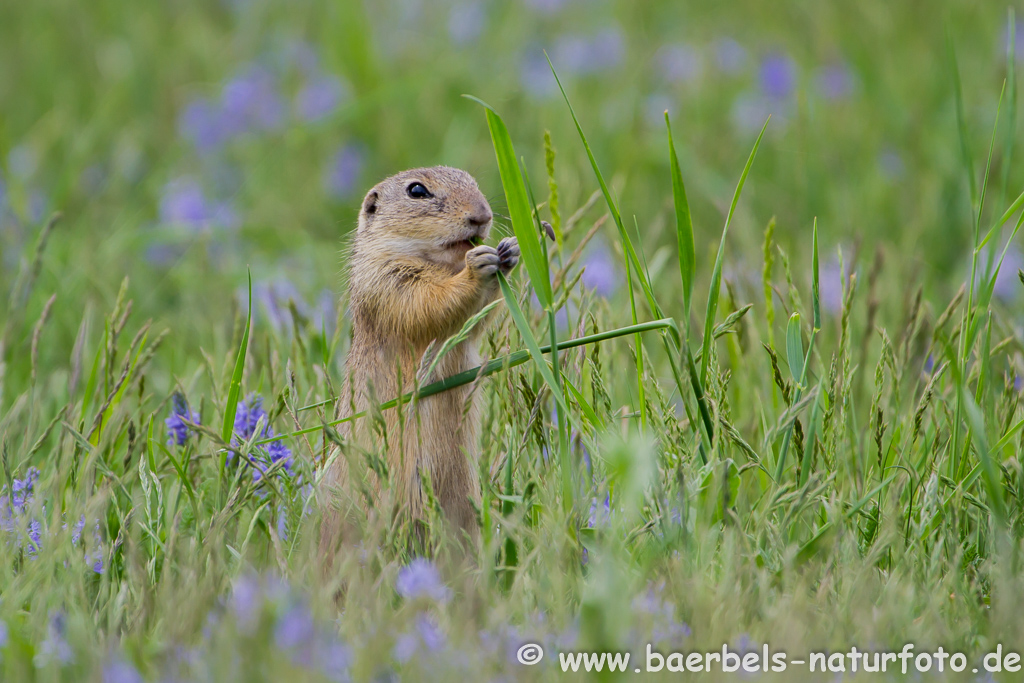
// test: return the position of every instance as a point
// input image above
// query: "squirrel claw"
(508, 252)
(483, 260)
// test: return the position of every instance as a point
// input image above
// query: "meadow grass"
(746, 395)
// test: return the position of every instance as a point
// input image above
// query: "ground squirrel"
(417, 273)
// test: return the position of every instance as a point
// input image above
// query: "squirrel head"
(437, 213)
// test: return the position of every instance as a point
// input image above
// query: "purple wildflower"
(13, 509)
(96, 556)
(250, 102)
(276, 299)
(1015, 38)
(22, 161)
(599, 514)
(177, 431)
(599, 271)
(430, 633)
(535, 75)
(421, 579)
(333, 658)
(546, 6)
(55, 647)
(302, 55)
(835, 81)
(38, 203)
(245, 602)
(655, 107)
(777, 76)
(120, 671)
(583, 56)
(750, 110)
(679, 63)
(3, 634)
(325, 313)
(295, 628)
(185, 203)
(891, 164)
(466, 21)
(664, 626)
(1007, 284)
(730, 55)
(319, 97)
(405, 647)
(831, 285)
(247, 416)
(341, 177)
(202, 123)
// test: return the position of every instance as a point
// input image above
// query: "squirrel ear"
(370, 202)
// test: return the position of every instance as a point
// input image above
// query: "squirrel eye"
(418, 191)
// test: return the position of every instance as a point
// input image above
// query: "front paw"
(508, 253)
(483, 261)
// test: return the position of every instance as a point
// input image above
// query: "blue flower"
(835, 81)
(679, 63)
(120, 671)
(599, 514)
(581, 55)
(247, 416)
(251, 102)
(421, 579)
(466, 21)
(184, 202)
(22, 161)
(202, 123)
(599, 271)
(341, 177)
(546, 6)
(730, 55)
(13, 509)
(430, 633)
(831, 283)
(55, 647)
(535, 74)
(177, 431)
(295, 628)
(777, 76)
(3, 634)
(245, 601)
(1017, 31)
(319, 97)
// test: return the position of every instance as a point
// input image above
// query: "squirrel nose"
(480, 216)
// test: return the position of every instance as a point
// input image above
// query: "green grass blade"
(235, 387)
(585, 407)
(497, 365)
(1012, 209)
(716, 274)
(531, 342)
(684, 228)
(568, 487)
(816, 286)
(613, 209)
(1011, 118)
(805, 466)
(519, 206)
(961, 122)
(795, 348)
(989, 472)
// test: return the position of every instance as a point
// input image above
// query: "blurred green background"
(184, 141)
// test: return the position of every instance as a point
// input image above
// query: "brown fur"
(414, 279)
